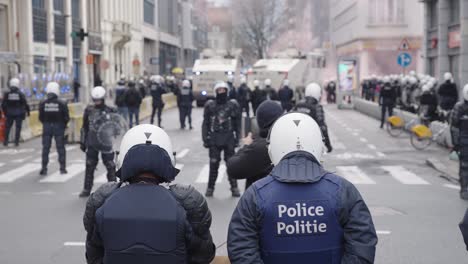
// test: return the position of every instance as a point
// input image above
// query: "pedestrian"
(259, 95)
(76, 90)
(133, 101)
(286, 96)
(448, 93)
(221, 133)
(270, 91)
(232, 88)
(184, 103)
(252, 162)
(460, 122)
(387, 99)
(464, 228)
(157, 91)
(311, 106)
(139, 220)
(120, 91)
(331, 92)
(15, 108)
(54, 116)
(244, 96)
(91, 141)
(300, 213)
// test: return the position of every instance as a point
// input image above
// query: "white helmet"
(98, 93)
(256, 83)
(15, 82)
(220, 85)
(243, 80)
(230, 78)
(122, 77)
(465, 92)
(426, 88)
(386, 79)
(186, 83)
(413, 80)
(267, 82)
(313, 90)
(142, 134)
(412, 73)
(53, 88)
(286, 82)
(448, 76)
(295, 132)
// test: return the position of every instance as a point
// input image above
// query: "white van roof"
(278, 65)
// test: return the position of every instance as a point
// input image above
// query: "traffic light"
(80, 34)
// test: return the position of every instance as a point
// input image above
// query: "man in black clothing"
(232, 89)
(258, 95)
(244, 96)
(184, 102)
(252, 162)
(448, 93)
(331, 92)
(133, 101)
(387, 99)
(429, 103)
(76, 90)
(15, 108)
(157, 91)
(286, 96)
(54, 116)
(270, 91)
(460, 123)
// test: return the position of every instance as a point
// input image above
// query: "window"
(75, 9)
(433, 15)
(38, 4)
(3, 28)
(59, 6)
(433, 66)
(454, 7)
(148, 7)
(384, 12)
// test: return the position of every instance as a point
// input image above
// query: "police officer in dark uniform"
(448, 93)
(157, 90)
(15, 108)
(54, 116)
(120, 102)
(300, 213)
(311, 106)
(270, 91)
(331, 92)
(92, 144)
(286, 96)
(141, 221)
(460, 122)
(387, 99)
(244, 96)
(184, 102)
(259, 95)
(232, 89)
(221, 133)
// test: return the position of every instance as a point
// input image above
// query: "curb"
(440, 167)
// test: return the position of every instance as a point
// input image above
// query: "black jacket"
(200, 247)
(464, 228)
(312, 107)
(14, 104)
(258, 96)
(221, 123)
(271, 93)
(448, 94)
(92, 110)
(388, 95)
(133, 98)
(251, 162)
(285, 94)
(53, 110)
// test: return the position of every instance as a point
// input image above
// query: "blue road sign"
(404, 59)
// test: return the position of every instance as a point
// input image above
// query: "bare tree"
(256, 23)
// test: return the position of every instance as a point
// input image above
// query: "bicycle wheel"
(420, 143)
(394, 131)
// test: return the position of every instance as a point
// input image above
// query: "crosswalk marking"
(204, 174)
(354, 175)
(182, 153)
(179, 166)
(404, 176)
(2, 164)
(373, 147)
(20, 172)
(102, 178)
(56, 177)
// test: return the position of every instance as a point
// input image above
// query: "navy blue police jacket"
(301, 213)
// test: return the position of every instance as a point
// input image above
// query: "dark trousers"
(159, 109)
(215, 159)
(92, 158)
(18, 120)
(385, 109)
(184, 113)
(463, 173)
(331, 98)
(287, 106)
(246, 108)
(134, 112)
(50, 131)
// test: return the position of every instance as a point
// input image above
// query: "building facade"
(373, 32)
(446, 38)
(8, 42)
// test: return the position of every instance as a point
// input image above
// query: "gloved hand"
(83, 147)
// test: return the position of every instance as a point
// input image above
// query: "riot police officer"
(311, 106)
(448, 93)
(244, 96)
(300, 207)
(387, 99)
(15, 108)
(120, 102)
(184, 102)
(286, 96)
(460, 122)
(270, 91)
(91, 142)
(143, 221)
(221, 133)
(232, 88)
(157, 90)
(54, 116)
(259, 95)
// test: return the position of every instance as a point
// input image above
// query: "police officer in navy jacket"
(300, 213)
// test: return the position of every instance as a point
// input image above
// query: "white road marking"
(356, 134)
(404, 176)
(363, 140)
(56, 177)
(381, 155)
(203, 176)
(354, 175)
(182, 153)
(48, 192)
(179, 166)
(51, 156)
(383, 232)
(102, 178)
(21, 160)
(16, 151)
(74, 244)
(350, 156)
(373, 147)
(452, 186)
(17, 173)
(2, 164)
(70, 148)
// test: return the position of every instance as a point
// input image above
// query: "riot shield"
(106, 131)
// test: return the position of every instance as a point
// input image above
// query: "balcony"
(121, 33)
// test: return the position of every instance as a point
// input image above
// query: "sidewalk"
(448, 168)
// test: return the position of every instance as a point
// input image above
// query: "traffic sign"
(404, 59)
(404, 45)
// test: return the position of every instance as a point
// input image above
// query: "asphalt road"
(416, 212)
